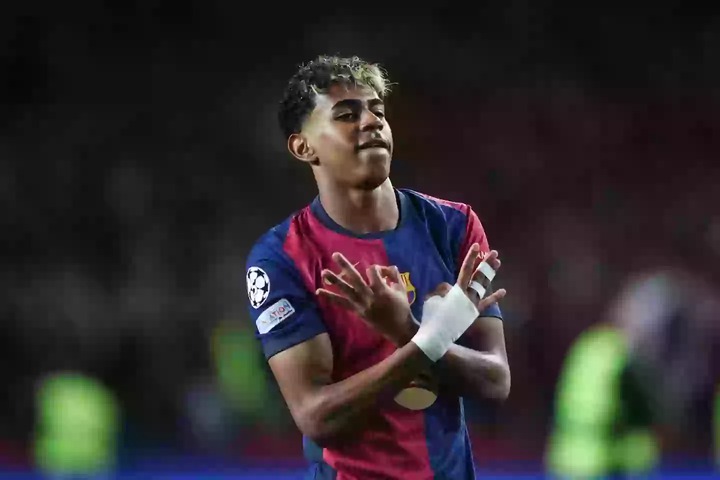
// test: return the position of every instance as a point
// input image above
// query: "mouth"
(378, 143)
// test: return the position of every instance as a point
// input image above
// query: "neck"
(361, 211)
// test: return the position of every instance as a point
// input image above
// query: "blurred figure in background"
(239, 397)
(77, 428)
(642, 380)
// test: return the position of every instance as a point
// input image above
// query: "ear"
(299, 147)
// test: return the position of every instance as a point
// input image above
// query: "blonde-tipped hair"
(317, 76)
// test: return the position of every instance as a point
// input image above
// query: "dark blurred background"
(140, 158)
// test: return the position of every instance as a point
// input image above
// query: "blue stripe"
(319, 470)
(427, 248)
(448, 440)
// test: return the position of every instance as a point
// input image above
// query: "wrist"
(406, 332)
(445, 319)
(411, 328)
(433, 345)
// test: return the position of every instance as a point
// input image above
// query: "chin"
(373, 170)
(375, 175)
(371, 183)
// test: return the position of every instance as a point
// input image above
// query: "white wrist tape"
(489, 273)
(444, 320)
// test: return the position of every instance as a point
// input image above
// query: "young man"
(343, 347)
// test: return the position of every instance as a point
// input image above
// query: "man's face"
(350, 137)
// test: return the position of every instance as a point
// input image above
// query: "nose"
(370, 121)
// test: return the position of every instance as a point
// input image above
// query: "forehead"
(339, 92)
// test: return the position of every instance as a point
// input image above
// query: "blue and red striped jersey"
(283, 273)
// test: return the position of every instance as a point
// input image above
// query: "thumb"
(491, 299)
(441, 290)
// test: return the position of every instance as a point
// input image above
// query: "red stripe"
(393, 444)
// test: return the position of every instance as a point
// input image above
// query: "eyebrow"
(353, 102)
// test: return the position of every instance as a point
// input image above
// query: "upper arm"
(299, 371)
(284, 313)
(288, 325)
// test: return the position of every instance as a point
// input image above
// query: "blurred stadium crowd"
(140, 160)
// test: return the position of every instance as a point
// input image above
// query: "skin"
(477, 370)
(356, 191)
(353, 183)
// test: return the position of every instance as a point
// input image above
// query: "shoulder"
(270, 246)
(458, 219)
(269, 262)
(431, 206)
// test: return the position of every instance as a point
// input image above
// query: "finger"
(493, 259)
(467, 269)
(375, 278)
(350, 273)
(335, 298)
(491, 299)
(391, 273)
(330, 278)
(398, 283)
(484, 273)
(391, 278)
(395, 274)
(480, 281)
(487, 257)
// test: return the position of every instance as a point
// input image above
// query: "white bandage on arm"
(444, 320)
(489, 273)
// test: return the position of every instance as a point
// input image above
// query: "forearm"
(471, 373)
(336, 407)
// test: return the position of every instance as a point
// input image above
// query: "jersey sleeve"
(283, 311)
(475, 233)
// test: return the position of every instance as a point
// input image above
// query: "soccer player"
(640, 380)
(344, 346)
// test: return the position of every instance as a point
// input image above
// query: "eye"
(348, 116)
(379, 113)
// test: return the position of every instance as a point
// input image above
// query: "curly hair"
(316, 77)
